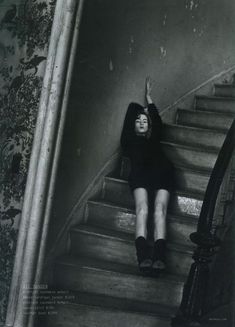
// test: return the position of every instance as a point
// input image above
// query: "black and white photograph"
(117, 168)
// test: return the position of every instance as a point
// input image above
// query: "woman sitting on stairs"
(151, 175)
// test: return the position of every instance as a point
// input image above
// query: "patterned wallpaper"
(24, 34)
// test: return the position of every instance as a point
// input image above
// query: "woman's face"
(141, 124)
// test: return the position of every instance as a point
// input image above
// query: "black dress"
(150, 168)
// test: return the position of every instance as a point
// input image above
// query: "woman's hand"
(148, 85)
(148, 89)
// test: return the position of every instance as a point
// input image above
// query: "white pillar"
(45, 150)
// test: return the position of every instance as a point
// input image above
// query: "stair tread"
(124, 236)
(187, 218)
(195, 170)
(209, 113)
(193, 128)
(131, 208)
(98, 230)
(113, 267)
(201, 171)
(121, 304)
(213, 97)
(193, 136)
(230, 85)
(194, 147)
(189, 193)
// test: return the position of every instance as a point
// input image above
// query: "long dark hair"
(149, 131)
(128, 131)
(134, 110)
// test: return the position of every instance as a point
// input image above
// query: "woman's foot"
(159, 256)
(143, 255)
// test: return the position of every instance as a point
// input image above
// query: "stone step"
(199, 158)
(118, 247)
(117, 192)
(215, 104)
(94, 310)
(115, 280)
(210, 120)
(122, 219)
(194, 136)
(224, 90)
(186, 179)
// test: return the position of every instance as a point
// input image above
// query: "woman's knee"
(160, 210)
(142, 210)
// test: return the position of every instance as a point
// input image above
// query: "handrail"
(207, 211)
(195, 289)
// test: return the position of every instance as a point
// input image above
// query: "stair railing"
(209, 234)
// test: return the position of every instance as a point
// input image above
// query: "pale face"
(141, 124)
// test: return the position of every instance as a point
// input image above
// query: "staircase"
(100, 271)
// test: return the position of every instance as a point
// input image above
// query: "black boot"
(143, 254)
(159, 256)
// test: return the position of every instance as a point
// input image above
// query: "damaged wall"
(180, 44)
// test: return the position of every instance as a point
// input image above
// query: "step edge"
(197, 148)
(207, 112)
(213, 97)
(100, 201)
(182, 215)
(159, 312)
(127, 237)
(196, 170)
(227, 85)
(199, 129)
(83, 263)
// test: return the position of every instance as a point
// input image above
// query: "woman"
(151, 173)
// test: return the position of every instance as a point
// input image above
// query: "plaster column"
(43, 159)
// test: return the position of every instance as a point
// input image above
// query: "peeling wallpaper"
(24, 33)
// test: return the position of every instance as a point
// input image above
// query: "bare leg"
(160, 211)
(141, 208)
(142, 249)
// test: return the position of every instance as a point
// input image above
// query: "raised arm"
(152, 109)
(148, 89)
(128, 135)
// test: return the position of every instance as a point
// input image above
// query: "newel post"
(195, 289)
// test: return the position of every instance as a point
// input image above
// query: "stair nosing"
(185, 216)
(224, 85)
(130, 210)
(206, 130)
(133, 305)
(187, 193)
(197, 148)
(124, 236)
(197, 170)
(202, 171)
(213, 97)
(207, 112)
(157, 315)
(87, 263)
(102, 231)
